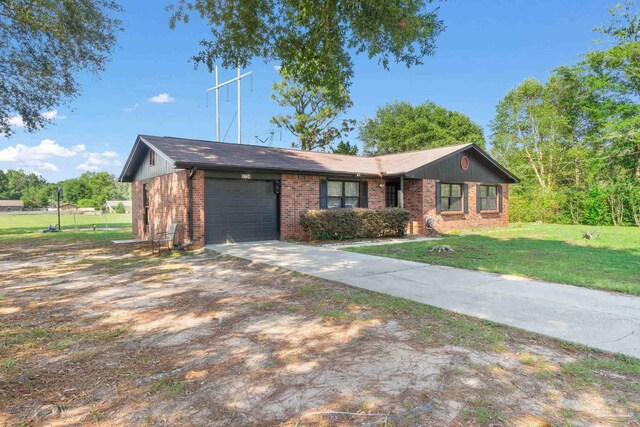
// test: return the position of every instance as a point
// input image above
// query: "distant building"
(111, 205)
(64, 207)
(11, 205)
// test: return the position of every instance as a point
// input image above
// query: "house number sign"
(245, 176)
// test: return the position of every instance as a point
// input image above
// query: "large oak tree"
(400, 126)
(314, 41)
(44, 45)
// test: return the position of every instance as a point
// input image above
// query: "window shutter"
(478, 201)
(466, 198)
(438, 208)
(499, 198)
(364, 194)
(323, 194)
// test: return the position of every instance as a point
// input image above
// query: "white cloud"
(46, 166)
(162, 98)
(133, 107)
(277, 68)
(95, 162)
(46, 149)
(51, 115)
(17, 121)
(34, 158)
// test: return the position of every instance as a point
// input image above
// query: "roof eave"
(125, 175)
(209, 166)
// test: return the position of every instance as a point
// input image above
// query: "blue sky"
(488, 47)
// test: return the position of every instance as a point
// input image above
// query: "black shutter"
(499, 198)
(364, 194)
(466, 198)
(323, 194)
(478, 201)
(438, 208)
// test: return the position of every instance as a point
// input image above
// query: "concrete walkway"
(597, 319)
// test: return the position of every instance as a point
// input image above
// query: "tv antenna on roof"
(217, 87)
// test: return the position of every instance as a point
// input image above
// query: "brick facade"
(169, 203)
(420, 201)
(376, 199)
(298, 194)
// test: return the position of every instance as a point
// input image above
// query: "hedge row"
(343, 224)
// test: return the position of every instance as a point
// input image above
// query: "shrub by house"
(342, 224)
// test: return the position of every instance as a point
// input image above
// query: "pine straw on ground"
(93, 333)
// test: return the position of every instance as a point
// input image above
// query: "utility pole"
(59, 197)
(217, 108)
(217, 89)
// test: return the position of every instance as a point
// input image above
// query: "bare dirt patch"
(92, 333)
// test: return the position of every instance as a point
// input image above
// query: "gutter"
(192, 173)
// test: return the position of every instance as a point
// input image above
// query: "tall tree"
(346, 148)
(44, 45)
(400, 126)
(612, 77)
(530, 133)
(314, 41)
(316, 122)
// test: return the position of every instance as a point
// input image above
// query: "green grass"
(556, 253)
(35, 222)
(66, 237)
(169, 386)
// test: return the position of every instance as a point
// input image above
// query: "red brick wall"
(169, 203)
(375, 194)
(425, 191)
(298, 194)
(414, 203)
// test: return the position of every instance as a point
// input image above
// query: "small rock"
(48, 411)
(444, 248)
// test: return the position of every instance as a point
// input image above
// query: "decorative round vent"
(464, 163)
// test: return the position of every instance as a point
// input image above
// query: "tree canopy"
(400, 126)
(91, 189)
(44, 45)
(314, 41)
(346, 148)
(315, 122)
(574, 140)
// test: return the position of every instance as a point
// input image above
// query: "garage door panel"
(237, 211)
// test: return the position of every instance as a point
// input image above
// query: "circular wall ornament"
(464, 163)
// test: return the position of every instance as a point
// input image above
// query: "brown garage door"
(240, 210)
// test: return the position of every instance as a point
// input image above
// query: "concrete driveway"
(598, 319)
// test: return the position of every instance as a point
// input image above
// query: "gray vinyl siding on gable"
(449, 170)
(145, 170)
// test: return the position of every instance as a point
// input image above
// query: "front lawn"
(25, 223)
(556, 253)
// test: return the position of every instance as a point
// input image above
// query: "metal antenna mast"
(217, 89)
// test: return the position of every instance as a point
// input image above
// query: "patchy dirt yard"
(95, 334)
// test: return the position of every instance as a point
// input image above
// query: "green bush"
(343, 224)
(120, 208)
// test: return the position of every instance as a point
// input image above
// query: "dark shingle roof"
(186, 153)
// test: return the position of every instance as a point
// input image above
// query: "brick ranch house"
(221, 192)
